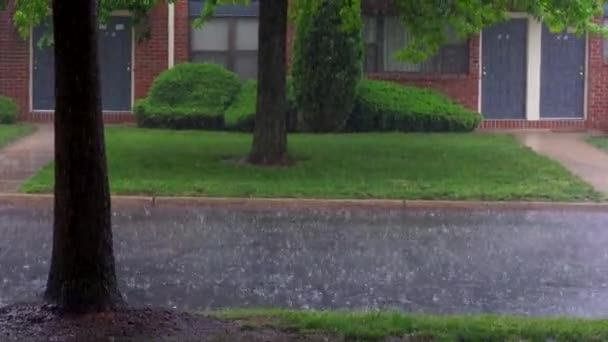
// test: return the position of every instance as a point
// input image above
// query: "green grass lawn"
(378, 326)
(9, 133)
(409, 166)
(601, 142)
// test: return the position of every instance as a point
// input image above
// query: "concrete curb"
(46, 200)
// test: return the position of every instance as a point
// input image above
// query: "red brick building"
(518, 74)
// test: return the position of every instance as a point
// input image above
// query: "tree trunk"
(82, 276)
(270, 132)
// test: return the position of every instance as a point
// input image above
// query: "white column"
(534, 64)
(171, 33)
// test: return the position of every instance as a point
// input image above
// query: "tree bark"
(82, 277)
(270, 131)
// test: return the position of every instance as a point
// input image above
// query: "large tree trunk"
(270, 132)
(82, 276)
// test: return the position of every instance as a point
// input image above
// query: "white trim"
(512, 15)
(585, 88)
(533, 80)
(31, 78)
(533, 83)
(171, 38)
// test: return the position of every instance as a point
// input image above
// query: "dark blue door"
(114, 48)
(43, 74)
(562, 93)
(114, 42)
(504, 70)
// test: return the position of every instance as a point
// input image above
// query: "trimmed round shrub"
(327, 62)
(190, 95)
(387, 106)
(9, 110)
(240, 115)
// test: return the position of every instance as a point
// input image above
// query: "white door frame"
(533, 79)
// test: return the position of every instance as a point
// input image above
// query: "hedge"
(240, 115)
(387, 106)
(9, 110)
(327, 62)
(207, 96)
(190, 95)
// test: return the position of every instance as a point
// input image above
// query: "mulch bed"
(41, 322)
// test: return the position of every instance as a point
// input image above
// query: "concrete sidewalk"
(573, 152)
(23, 158)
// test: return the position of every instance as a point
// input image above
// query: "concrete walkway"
(571, 150)
(23, 158)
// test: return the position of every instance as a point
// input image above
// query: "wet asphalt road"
(514, 262)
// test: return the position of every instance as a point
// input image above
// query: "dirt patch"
(40, 322)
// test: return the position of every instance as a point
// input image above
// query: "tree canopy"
(430, 22)
(31, 13)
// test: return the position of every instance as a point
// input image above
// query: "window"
(229, 39)
(384, 36)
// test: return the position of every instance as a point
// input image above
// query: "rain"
(518, 262)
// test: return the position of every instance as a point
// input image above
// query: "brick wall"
(463, 88)
(152, 55)
(151, 58)
(597, 99)
(597, 94)
(14, 62)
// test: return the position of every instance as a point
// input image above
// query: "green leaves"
(209, 9)
(429, 22)
(31, 13)
(327, 64)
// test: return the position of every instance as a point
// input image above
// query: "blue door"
(114, 48)
(504, 70)
(114, 41)
(562, 93)
(43, 74)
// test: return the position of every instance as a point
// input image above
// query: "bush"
(241, 113)
(386, 106)
(9, 110)
(328, 62)
(190, 95)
